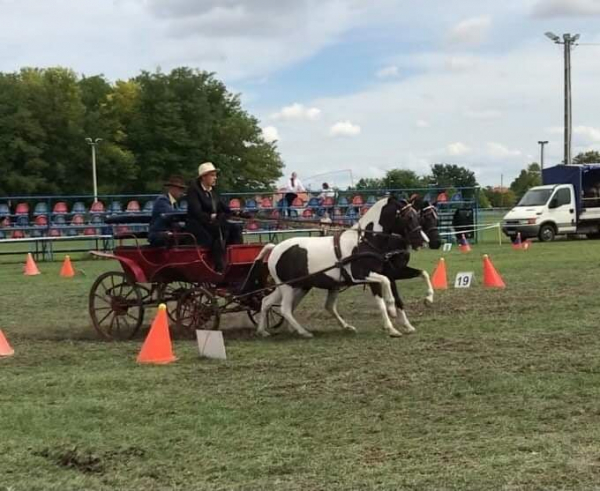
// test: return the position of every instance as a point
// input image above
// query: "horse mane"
(372, 216)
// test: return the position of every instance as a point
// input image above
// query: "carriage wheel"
(274, 318)
(197, 309)
(170, 293)
(116, 306)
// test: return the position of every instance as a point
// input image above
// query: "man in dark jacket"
(165, 203)
(207, 216)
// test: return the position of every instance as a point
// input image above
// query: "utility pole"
(93, 144)
(568, 41)
(542, 144)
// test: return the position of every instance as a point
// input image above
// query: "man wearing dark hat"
(165, 203)
(207, 216)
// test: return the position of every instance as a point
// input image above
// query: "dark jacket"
(162, 204)
(201, 205)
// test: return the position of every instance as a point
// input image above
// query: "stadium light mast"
(568, 41)
(542, 144)
(93, 143)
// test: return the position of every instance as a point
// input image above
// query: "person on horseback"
(207, 216)
(165, 203)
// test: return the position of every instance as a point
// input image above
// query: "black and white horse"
(398, 269)
(299, 264)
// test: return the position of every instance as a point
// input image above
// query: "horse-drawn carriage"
(182, 277)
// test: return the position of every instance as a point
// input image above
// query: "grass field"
(496, 390)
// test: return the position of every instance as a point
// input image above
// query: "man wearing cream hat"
(207, 215)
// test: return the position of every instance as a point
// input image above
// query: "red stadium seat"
(18, 234)
(275, 214)
(235, 204)
(298, 203)
(358, 200)
(78, 220)
(122, 229)
(22, 209)
(308, 213)
(60, 208)
(266, 203)
(363, 210)
(89, 231)
(337, 212)
(252, 225)
(41, 221)
(328, 201)
(97, 207)
(54, 232)
(5, 222)
(133, 207)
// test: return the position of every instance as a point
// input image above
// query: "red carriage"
(183, 278)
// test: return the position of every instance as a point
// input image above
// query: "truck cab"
(543, 212)
(568, 203)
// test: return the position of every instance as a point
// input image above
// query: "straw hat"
(205, 168)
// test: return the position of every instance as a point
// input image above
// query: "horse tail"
(264, 251)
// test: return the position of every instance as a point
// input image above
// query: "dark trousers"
(289, 199)
(230, 233)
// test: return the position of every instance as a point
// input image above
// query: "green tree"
(369, 183)
(500, 198)
(451, 175)
(528, 178)
(402, 179)
(591, 157)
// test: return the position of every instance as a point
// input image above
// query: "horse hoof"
(428, 301)
(350, 328)
(409, 329)
(395, 334)
(263, 334)
(306, 335)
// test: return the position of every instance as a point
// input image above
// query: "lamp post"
(542, 143)
(93, 144)
(568, 41)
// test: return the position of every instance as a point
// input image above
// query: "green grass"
(496, 390)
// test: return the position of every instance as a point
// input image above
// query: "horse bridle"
(430, 210)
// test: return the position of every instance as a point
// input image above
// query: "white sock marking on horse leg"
(386, 291)
(266, 305)
(408, 327)
(387, 323)
(287, 304)
(429, 297)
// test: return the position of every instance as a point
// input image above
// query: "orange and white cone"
(31, 268)
(157, 348)
(5, 348)
(491, 277)
(67, 270)
(439, 279)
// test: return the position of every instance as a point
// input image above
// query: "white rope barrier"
(474, 229)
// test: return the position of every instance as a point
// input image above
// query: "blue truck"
(568, 203)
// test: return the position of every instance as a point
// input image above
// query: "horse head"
(429, 222)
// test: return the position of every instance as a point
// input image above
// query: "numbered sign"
(447, 247)
(463, 280)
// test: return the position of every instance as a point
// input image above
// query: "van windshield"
(535, 197)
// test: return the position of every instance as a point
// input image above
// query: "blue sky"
(349, 84)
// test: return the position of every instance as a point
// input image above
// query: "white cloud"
(388, 72)
(458, 148)
(566, 8)
(344, 128)
(485, 114)
(297, 112)
(498, 150)
(270, 134)
(587, 134)
(421, 123)
(470, 32)
(460, 63)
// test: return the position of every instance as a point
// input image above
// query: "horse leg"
(288, 294)
(267, 303)
(403, 320)
(331, 307)
(378, 288)
(386, 291)
(408, 273)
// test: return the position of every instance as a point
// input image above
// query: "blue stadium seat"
(2, 235)
(59, 220)
(41, 208)
(371, 200)
(78, 208)
(96, 220)
(251, 205)
(342, 201)
(4, 210)
(457, 197)
(148, 206)
(352, 213)
(183, 205)
(22, 221)
(313, 203)
(115, 207)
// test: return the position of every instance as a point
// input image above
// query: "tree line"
(152, 125)
(452, 176)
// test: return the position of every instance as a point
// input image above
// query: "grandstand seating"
(266, 204)
(371, 200)
(148, 206)
(252, 225)
(4, 210)
(59, 220)
(358, 200)
(235, 204)
(250, 205)
(55, 232)
(183, 205)
(41, 208)
(22, 221)
(342, 201)
(97, 207)
(313, 203)
(78, 220)
(89, 231)
(133, 207)
(456, 197)
(307, 213)
(41, 221)
(22, 209)
(298, 203)
(60, 208)
(18, 234)
(78, 208)
(115, 207)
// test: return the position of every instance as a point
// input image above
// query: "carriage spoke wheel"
(170, 293)
(116, 306)
(274, 318)
(197, 309)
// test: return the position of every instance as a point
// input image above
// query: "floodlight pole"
(542, 144)
(568, 41)
(93, 143)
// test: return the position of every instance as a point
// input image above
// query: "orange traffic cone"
(157, 348)
(464, 244)
(5, 348)
(67, 270)
(439, 280)
(31, 268)
(526, 245)
(517, 244)
(491, 277)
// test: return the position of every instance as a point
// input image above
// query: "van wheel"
(593, 235)
(547, 233)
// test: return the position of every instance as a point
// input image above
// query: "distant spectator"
(326, 192)
(442, 197)
(293, 187)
